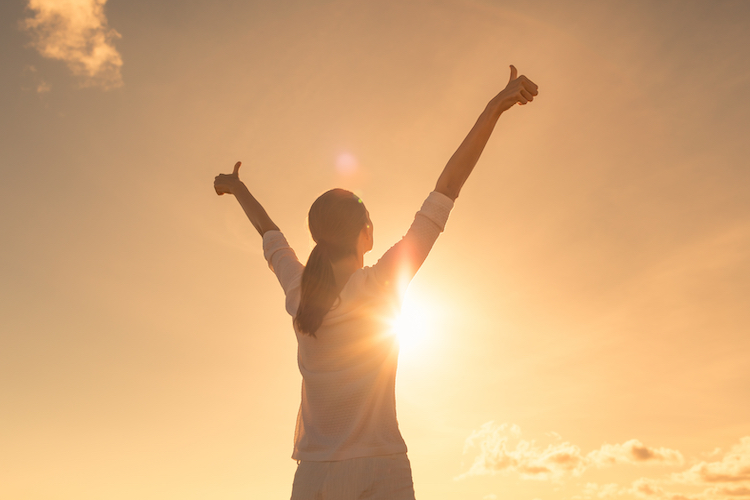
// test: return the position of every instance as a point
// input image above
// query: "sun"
(413, 325)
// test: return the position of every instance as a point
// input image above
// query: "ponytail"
(318, 291)
(335, 220)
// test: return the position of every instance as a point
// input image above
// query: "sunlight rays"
(415, 325)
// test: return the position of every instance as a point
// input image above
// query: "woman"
(347, 441)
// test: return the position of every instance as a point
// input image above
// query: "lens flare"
(347, 164)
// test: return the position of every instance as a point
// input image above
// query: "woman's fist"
(225, 183)
(519, 90)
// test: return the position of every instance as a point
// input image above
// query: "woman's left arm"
(231, 184)
(520, 90)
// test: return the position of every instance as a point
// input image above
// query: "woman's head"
(336, 220)
(341, 227)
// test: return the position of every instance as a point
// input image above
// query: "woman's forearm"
(462, 162)
(254, 210)
(520, 90)
(231, 184)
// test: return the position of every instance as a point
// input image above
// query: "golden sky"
(581, 330)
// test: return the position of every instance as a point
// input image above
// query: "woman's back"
(348, 406)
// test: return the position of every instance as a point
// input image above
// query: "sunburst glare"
(413, 324)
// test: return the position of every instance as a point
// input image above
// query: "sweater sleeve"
(286, 266)
(402, 261)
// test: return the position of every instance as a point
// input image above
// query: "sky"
(579, 332)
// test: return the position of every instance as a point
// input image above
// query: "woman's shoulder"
(365, 282)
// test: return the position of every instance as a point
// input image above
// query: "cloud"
(594, 490)
(723, 491)
(500, 450)
(43, 87)
(646, 488)
(734, 468)
(33, 81)
(76, 31)
(725, 479)
(634, 452)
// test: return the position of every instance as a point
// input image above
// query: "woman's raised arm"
(519, 90)
(231, 184)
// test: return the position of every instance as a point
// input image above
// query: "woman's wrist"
(498, 106)
(238, 187)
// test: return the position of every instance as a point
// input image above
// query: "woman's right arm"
(280, 257)
(231, 184)
(519, 90)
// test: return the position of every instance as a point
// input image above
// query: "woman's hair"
(335, 220)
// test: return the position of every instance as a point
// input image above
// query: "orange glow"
(580, 325)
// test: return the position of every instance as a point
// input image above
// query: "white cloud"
(712, 454)
(734, 469)
(649, 489)
(646, 488)
(501, 450)
(634, 452)
(76, 31)
(725, 479)
(724, 491)
(594, 490)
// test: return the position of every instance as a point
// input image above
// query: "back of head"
(335, 220)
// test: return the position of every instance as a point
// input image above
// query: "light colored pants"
(366, 478)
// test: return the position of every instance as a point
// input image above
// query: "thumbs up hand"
(519, 90)
(227, 183)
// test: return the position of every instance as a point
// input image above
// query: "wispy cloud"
(733, 468)
(634, 452)
(34, 82)
(501, 450)
(651, 489)
(594, 490)
(76, 31)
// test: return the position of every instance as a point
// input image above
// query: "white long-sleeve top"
(348, 406)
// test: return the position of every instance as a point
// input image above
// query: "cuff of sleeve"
(437, 207)
(273, 241)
